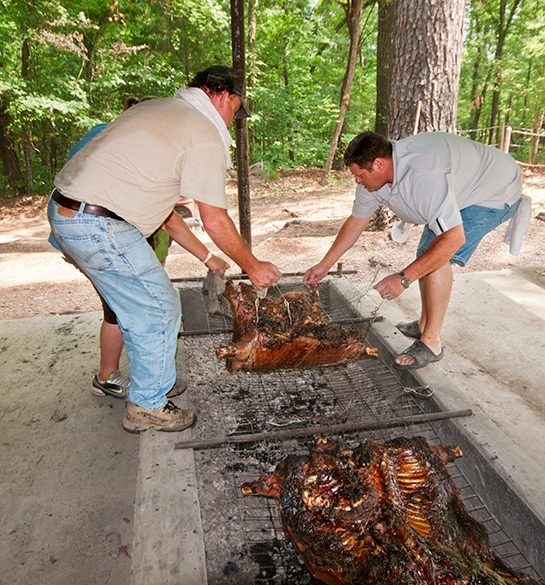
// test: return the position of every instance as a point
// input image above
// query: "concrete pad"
(68, 469)
(71, 475)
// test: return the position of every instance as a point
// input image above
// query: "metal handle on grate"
(339, 428)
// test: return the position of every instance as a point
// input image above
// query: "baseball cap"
(227, 78)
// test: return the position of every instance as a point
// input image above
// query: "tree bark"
(427, 62)
(354, 15)
(387, 12)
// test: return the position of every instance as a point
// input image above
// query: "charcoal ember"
(382, 513)
(287, 333)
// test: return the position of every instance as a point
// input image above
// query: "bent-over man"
(121, 187)
(459, 189)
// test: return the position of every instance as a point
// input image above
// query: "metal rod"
(245, 276)
(339, 428)
(213, 331)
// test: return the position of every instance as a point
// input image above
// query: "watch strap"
(404, 280)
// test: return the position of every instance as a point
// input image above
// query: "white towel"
(518, 225)
(401, 230)
(199, 100)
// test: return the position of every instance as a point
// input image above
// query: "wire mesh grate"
(244, 539)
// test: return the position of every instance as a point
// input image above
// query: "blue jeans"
(478, 221)
(118, 260)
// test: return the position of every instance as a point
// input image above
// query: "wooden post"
(507, 141)
(241, 126)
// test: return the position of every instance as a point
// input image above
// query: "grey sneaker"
(116, 385)
(169, 418)
(177, 389)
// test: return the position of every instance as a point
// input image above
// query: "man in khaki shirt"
(119, 189)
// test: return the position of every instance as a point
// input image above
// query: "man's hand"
(263, 274)
(314, 274)
(390, 287)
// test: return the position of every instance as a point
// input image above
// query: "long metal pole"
(241, 126)
(318, 430)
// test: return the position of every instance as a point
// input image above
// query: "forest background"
(68, 65)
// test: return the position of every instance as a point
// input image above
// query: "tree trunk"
(505, 22)
(354, 14)
(387, 11)
(26, 137)
(8, 152)
(426, 66)
(252, 30)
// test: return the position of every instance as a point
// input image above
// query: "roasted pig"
(287, 333)
(382, 513)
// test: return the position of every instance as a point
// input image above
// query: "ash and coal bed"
(243, 536)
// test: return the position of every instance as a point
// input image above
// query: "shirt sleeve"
(365, 203)
(203, 172)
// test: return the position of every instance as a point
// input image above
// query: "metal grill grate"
(244, 539)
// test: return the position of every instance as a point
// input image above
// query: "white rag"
(401, 230)
(518, 225)
(199, 100)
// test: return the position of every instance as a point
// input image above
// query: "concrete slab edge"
(168, 544)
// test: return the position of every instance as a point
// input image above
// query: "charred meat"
(286, 333)
(382, 513)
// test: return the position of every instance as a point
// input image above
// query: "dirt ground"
(294, 221)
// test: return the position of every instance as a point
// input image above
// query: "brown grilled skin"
(286, 333)
(382, 513)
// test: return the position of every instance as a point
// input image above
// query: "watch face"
(404, 280)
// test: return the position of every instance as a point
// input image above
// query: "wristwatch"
(404, 280)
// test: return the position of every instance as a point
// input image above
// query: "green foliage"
(517, 70)
(69, 64)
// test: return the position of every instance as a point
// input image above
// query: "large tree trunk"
(354, 10)
(426, 66)
(387, 12)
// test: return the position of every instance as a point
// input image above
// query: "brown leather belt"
(88, 208)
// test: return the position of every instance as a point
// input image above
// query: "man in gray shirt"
(459, 189)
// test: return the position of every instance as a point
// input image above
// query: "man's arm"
(224, 234)
(348, 235)
(180, 233)
(437, 254)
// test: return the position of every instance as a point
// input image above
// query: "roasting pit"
(243, 535)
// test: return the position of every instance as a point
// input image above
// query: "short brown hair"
(365, 148)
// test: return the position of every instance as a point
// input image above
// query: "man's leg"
(435, 291)
(125, 271)
(111, 345)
